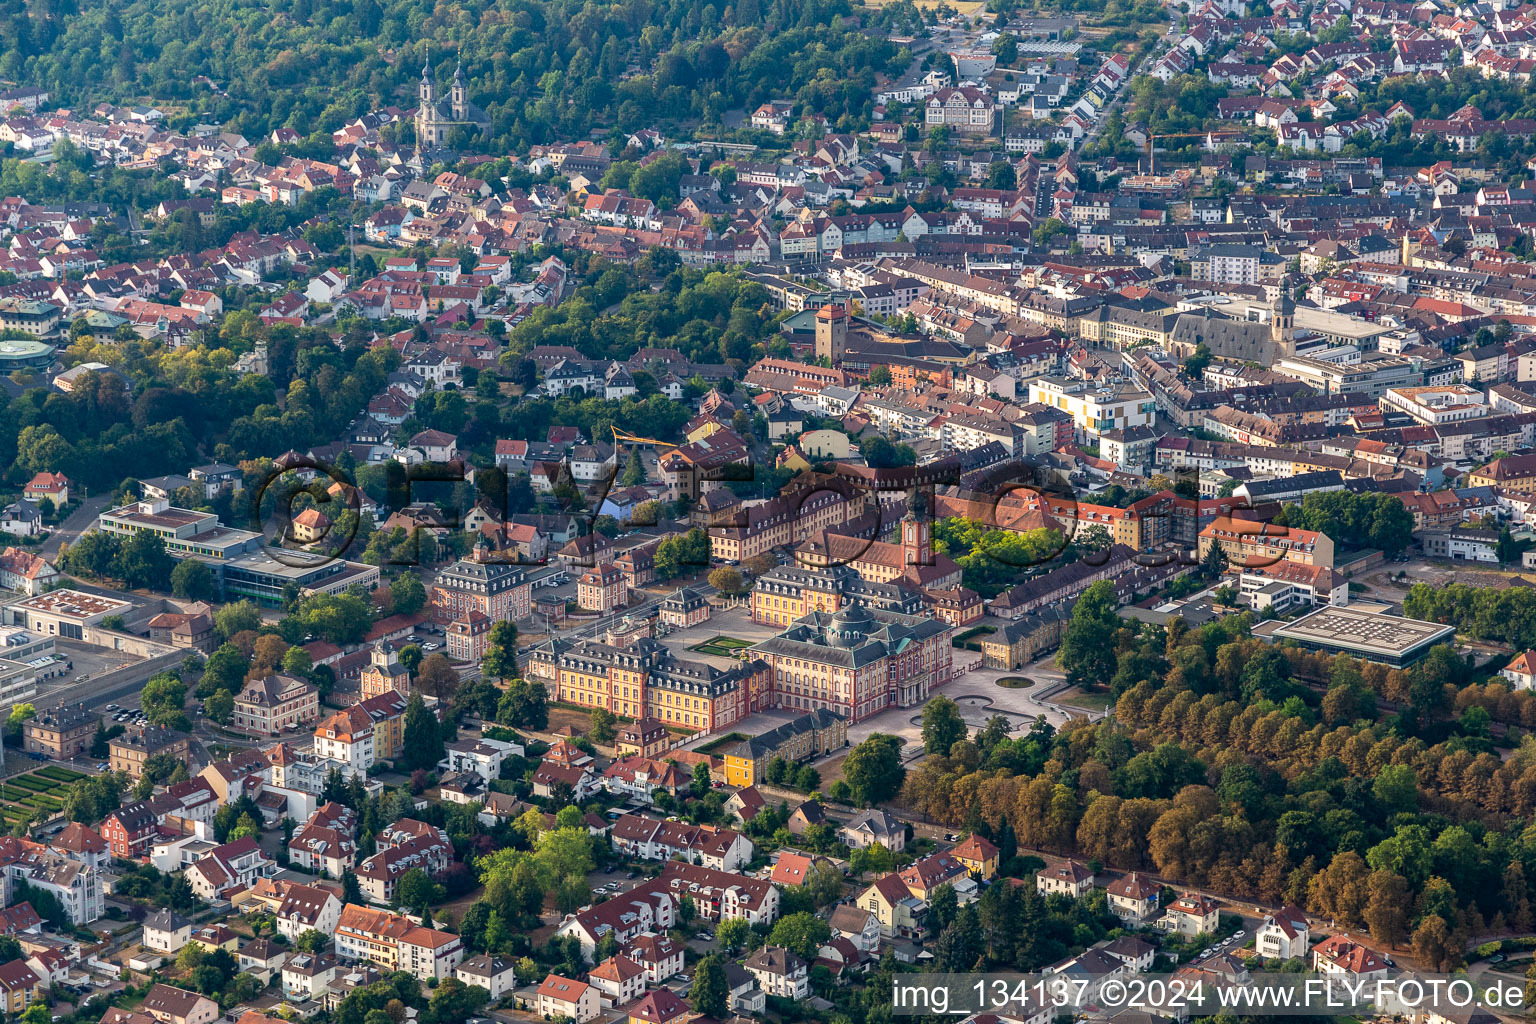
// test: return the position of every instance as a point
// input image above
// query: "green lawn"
(1087, 701)
(721, 646)
(41, 790)
(719, 743)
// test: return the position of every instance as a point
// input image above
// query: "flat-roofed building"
(265, 580)
(1436, 406)
(185, 532)
(1376, 636)
(72, 614)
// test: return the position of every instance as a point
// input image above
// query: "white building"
(779, 972)
(1095, 410)
(1437, 406)
(1283, 934)
(567, 997)
(492, 973)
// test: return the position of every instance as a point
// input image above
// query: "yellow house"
(899, 912)
(978, 856)
(1515, 472)
(1023, 639)
(702, 426)
(19, 986)
(791, 459)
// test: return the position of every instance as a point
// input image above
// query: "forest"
(542, 69)
(1370, 795)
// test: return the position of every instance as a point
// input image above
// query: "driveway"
(78, 521)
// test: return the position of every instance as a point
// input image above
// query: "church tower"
(916, 533)
(1282, 323)
(460, 95)
(427, 110)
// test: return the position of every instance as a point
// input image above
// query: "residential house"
(1190, 915)
(899, 912)
(1134, 898)
(166, 931)
(779, 972)
(171, 1005)
(1283, 935)
(493, 973)
(1070, 878)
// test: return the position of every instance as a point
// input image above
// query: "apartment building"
(396, 943)
(1095, 410)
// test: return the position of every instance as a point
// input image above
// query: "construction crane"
(620, 436)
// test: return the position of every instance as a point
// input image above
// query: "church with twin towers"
(439, 115)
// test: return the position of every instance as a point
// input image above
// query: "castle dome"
(849, 625)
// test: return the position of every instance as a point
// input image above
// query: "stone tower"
(831, 333)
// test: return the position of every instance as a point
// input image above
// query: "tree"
(873, 769)
(437, 677)
(1434, 946)
(406, 593)
(728, 581)
(1195, 364)
(219, 707)
(313, 940)
(825, 884)
(710, 993)
(524, 705)
(1087, 647)
(238, 617)
(143, 562)
(423, 743)
(872, 859)
(943, 726)
(164, 700)
(20, 713)
(224, 670)
(880, 376)
(1387, 907)
(100, 742)
(733, 933)
(802, 934)
(416, 890)
(603, 728)
(193, 580)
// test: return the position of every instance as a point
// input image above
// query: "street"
(77, 522)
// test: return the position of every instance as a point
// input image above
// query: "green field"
(40, 790)
(721, 646)
(719, 743)
(970, 640)
(1086, 701)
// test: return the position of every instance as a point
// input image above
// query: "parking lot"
(84, 661)
(428, 637)
(1231, 944)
